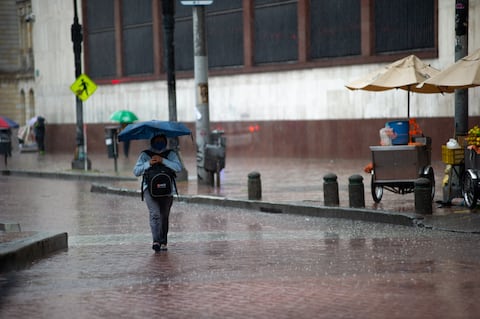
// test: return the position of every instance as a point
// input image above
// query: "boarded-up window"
(276, 38)
(335, 28)
(404, 25)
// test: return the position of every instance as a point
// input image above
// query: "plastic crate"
(452, 156)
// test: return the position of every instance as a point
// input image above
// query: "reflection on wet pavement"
(229, 263)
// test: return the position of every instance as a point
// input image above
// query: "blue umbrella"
(148, 129)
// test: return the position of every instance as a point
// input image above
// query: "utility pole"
(201, 94)
(80, 160)
(461, 50)
(168, 10)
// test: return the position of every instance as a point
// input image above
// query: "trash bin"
(5, 143)
(215, 152)
(214, 157)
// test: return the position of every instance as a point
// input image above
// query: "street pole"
(168, 10)
(453, 190)
(461, 50)
(201, 93)
(80, 160)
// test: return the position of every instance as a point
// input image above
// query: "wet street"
(228, 263)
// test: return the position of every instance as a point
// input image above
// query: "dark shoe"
(156, 247)
(163, 247)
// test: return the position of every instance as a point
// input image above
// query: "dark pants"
(40, 143)
(40, 138)
(159, 210)
(126, 148)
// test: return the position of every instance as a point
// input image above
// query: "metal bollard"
(356, 192)
(330, 190)
(423, 196)
(254, 186)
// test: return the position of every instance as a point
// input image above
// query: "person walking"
(126, 144)
(39, 131)
(158, 207)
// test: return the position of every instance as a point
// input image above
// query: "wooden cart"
(395, 168)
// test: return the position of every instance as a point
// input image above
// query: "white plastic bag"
(452, 144)
(386, 136)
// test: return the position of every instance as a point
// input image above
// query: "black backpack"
(159, 178)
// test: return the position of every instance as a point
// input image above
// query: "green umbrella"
(123, 116)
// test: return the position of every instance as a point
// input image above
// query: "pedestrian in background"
(39, 131)
(158, 207)
(126, 144)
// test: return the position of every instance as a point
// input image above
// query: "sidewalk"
(289, 185)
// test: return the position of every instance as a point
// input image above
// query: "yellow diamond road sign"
(83, 87)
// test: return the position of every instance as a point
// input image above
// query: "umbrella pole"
(408, 103)
(408, 113)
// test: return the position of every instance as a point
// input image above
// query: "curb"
(66, 175)
(404, 219)
(18, 254)
(8, 226)
(362, 214)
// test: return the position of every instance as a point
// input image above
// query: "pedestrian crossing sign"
(83, 87)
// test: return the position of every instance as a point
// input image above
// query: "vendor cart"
(396, 167)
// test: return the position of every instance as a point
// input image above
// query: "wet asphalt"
(227, 262)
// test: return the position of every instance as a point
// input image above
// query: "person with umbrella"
(124, 117)
(158, 207)
(157, 132)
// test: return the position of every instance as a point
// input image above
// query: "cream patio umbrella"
(463, 74)
(405, 74)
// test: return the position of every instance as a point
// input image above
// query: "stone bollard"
(330, 190)
(356, 192)
(423, 196)
(254, 186)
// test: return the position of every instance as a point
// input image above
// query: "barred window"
(183, 38)
(224, 35)
(404, 25)
(101, 39)
(137, 37)
(335, 28)
(276, 38)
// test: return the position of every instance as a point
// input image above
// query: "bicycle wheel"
(377, 190)
(431, 177)
(470, 196)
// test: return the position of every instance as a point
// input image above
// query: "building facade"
(277, 70)
(17, 95)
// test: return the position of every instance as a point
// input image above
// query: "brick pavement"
(231, 263)
(226, 262)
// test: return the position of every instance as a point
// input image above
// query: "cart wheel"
(377, 190)
(431, 177)
(468, 190)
